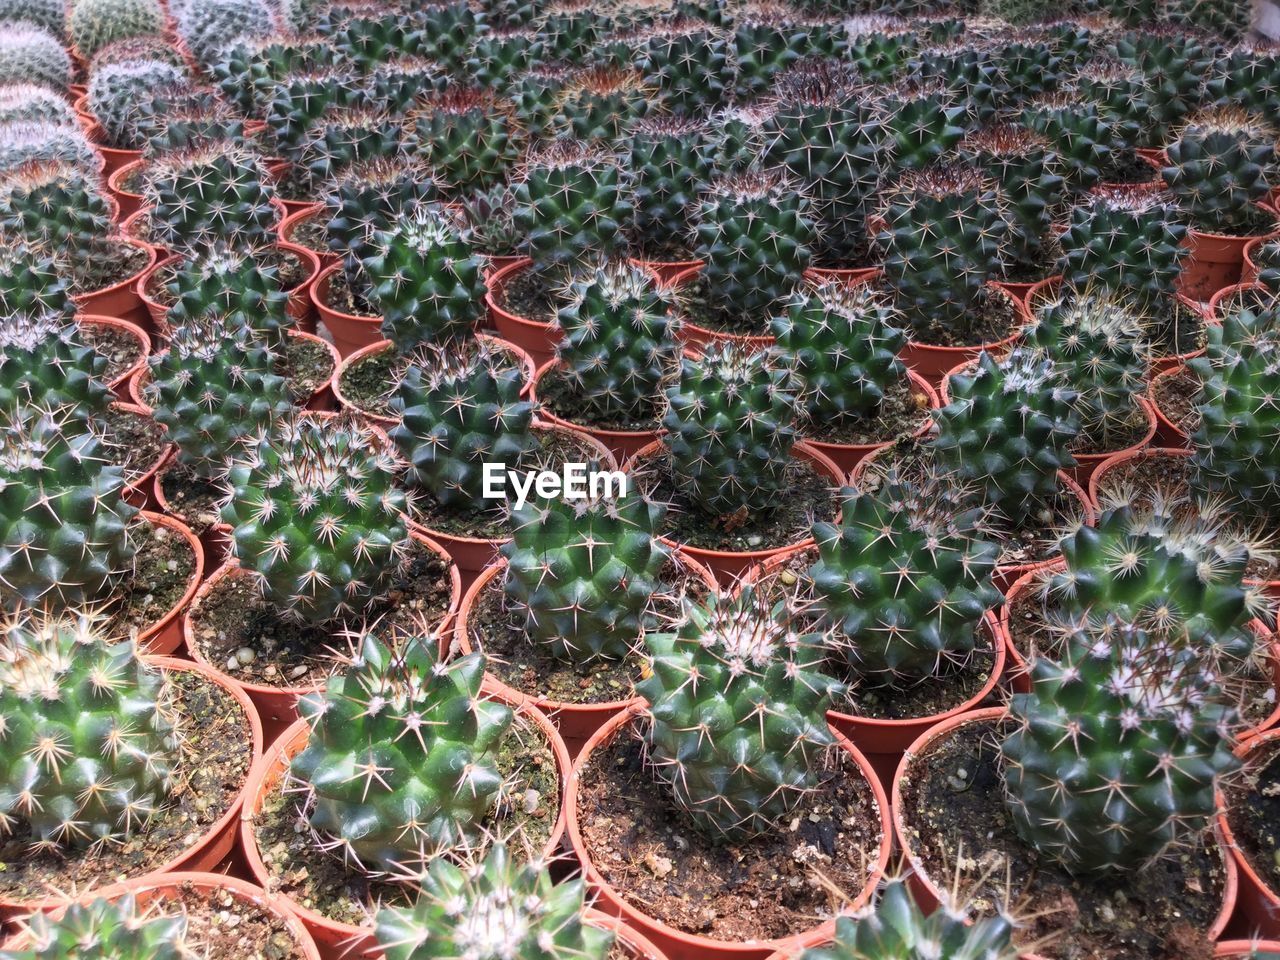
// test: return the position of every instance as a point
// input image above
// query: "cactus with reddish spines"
(668, 157)
(468, 136)
(370, 197)
(58, 206)
(603, 103)
(1221, 164)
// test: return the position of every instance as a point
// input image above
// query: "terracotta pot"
(1218, 302)
(1154, 155)
(1245, 949)
(666, 271)
(278, 170)
(537, 338)
(621, 443)
(164, 636)
(1154, 185)
(636, 944)
(350, 331)
(932, 362)
(1168, 432)
(575, 721)
(1259, 902)
(278, 706)
(1250, 270)
(120, 384)
(113, 158)
(677, 944)
(851, 276)
(1088, 463)
(729, 565)
(137, 487)
(927, 892)
(120, 300)
(1214, 261)
(295, 219)
(127, 201)
(699, 337)
(344, 941)
(846, 456)
(214, 844)
(495, 262)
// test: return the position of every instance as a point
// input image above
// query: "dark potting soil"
(809, 497)
(162, 569)
(223, 926)
(760, 889)
(1119, 437)
(557, 395)
(121, 350)
(296, 185)
(192, 499)
(1256, 222)
(134, 181)
(1179, 331)
(217, 754)
(672, 249)
(904, 408)
(312, 233)
(530, 295)
(307, 366)
(309, 876)
(954, 810)
(704, 310)
(1253, 808)
(112, 261)
(994, 318)
(528, 667)
(132, 440)
(233, 617)
(1177, 396)
(1250, 298)
(1127, 167)
(350, 295)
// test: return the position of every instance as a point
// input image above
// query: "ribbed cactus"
(1246, 77)
(299, 99)
(497, 907)
(230, 286)
(26, 142)
(969, 70)
(1122, 93)
(210, 194)
(1080, 133)
(619, 342)
(1221, 163)
(894, 628)
(730, 425)
(767, 40)
(880, 46)
(1026, 66)
(343, 136)
(103, 930)
(50, 15)
(400, 761)
(668, 157)
(1117, 752)
(688, 63)
(1176, 65)
(468, 136)
(44, 362)
(208, 27)
(925, 122)
(30, 54)
(369, 197)
(490, 221)
(1007, 430)
(316, 517)
(186, 119)
(1266, 257)
(32, 284)
(502, 54)
(426, 279)
(1218, 18)
(247, 70)
(213, 389)
(842, 344)
(118, 92)
(32, 103)
(90, 736)
(58, 206)
(603, 103)
(460, 409)
(95, 23)
(738, 702)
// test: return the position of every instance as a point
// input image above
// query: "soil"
(344, 297)
(296, 185)
(228, 927)
(810, 497)
(1253, 808)
(292, 270)
(162, 570)
(133, 440)
(703, 310)
(1120, 437)
(530, 295)
(121, 349)
(1129, 168)
(233, 616)
(307, 366)
(112, 262)
(1177, 396)
(134, 182)
(319, 881)
(954, 809)
(556, 394)
(1257, 222)
(1183, 332)
(904, 409)
(216, 739)
(1250, 298)
(527, 667)
(761, 889)
(995, 318)
(674, 249)
(312, 233)
(192, 499)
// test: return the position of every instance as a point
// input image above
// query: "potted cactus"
(1245, 823)
(668, 157)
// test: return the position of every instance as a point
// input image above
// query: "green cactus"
(739, 135)
(1122, 93)
(248, 69)
(668, 157)
(48, 15)
(1266, 256)
(1225, 19)
(1083, 139)
(32, 285)
(210, 26)
(1176, 65)
(370, 197)
(95, 23)
(400, 761)
(316, 517)
(30, 142)
(490, 221)
(342, 137)
(469, 136)
(299, 99)
(924, 121)
(33, 103)
(603, 103)
(367, 35)
(213, 389)
(1026, 66)
(43, 362)
(187, 119)
(767, 40)
(724, 667)
(619, 341)
(1220, 165)
(30, 54)
(688, 63)
(495, 907)
(117, 92)
(57, 206)
(500, 56)
(91, 735)
(210, 194)
(895, 629)
(234, 286)
(730, 425)
(1007, 431)
(103, 930)
(395, 85)
(536, 94)
(1246, 76)
(970, 71)
(444, 32)
(880, 46)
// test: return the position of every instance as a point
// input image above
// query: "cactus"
(44, 363)
(842, 344)
(688, 63)
(767, 40)
(468, 136)
(57, 206)
(536, 95)
(1080, 134)
(48, 15)
(1007, 430)
(897, 629)
(299, 99)
(213, 389)
(1176, 66)
(316, 517)
(723, 668)
(738, 137)
(500, 56)
(117, 92)
(91, 735)
(210, 194)
(1220, 165)
(1266, 257)
(40, 142)
(1122, 94)
(64, 523)
(490, 221)
(668, 157)
(395, 85)
(1117, 752)
(460, 409)
(32, 103)
(93, 24)
(619, 342)
(491, 908)
(103, 930)
(400, 761)
(924, 122)
(366, 35)
(1246, 76)
(969, 70)
(1127, 241)
(188, 119)
(249, 68)
(369, 197)
(1218, 18)
(444, 32)
(426, 280)
(345, 136)
(210, 26)
(33, 284)
(1026, 66)
(1237, 445)
(582, 575)
(880, 46)
(730, 425)
(30, 54)
(602, 103)
(232, 286)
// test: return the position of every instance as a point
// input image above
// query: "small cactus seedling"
(102, 930)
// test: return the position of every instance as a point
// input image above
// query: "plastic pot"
(214, 844)
(846, 456)
(350, 331)
(677, 944)
(699, 337)
(137, 486)
(344, 941)
(636, 945)
(120, 384)
(851, 276)
(1169, 432)
(294, 219)
(666, 271)
(621, 443)
(1218, 302)
(537, 338)
(1088, 463)
(1259, 902)
(932, 362)
(128, 202)
(1250, 270)
(120, 300)
(1245, 949)
(575, 721)
(112, 157)
(496, 261)
(1213, 261)
(729, 565)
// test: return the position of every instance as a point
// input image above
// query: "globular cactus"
(317, 518)
(213, 389)
(925, 122)
(119, 93)
(103, 930)
(187, 118)
(44, 362)
(426, 279)
(490, 221)
(460, 409)
(1026, 66)
(1117, 752)
(969, 70)
(730, 425)
(737, 700)
(232, 286)
(33, 285)
(27, 142)
(370, 197)
(1080, 133)
(619, 340)
(400, 761)
(58, 206)
(1007, 430)
(1237, 445)
(536, 94)
(739, 136)
(842, 345)
(345, 136)
(95, 23)
(91, 735)
(496, 907)
(755, 233)
(396, 84)
(688, 63)
(1176, 65)
(208, 27)
(467, 135)
(901, 629)
(603, 103)
(1221, 164)
(583, 574)
(1266, 257)
(767, 40)
(210, 194)
(299, 99)
(249, 68)
(64, 523)
(33, 103)
(1246, 76)
(1128, 241)
(31, 54)
(1218, 18)
(366, 35)
(880, 46)
(445, 32)
(502, 54)
(48, 15)
(1122, 93)
(668, 157)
